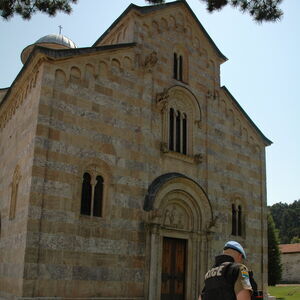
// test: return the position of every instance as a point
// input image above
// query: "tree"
(287, 220)
(260, 10)
(274, 259)
(26, 8)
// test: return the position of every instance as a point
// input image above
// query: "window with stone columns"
(180, 64)
(178, 126)
(92, 194)
(236, 220)
(14, 192)
(181, 119)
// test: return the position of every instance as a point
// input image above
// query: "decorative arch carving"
(127, 63)
(164, 24)
(60, 78)
(172, 22)
(193, 212)
(115, 64)
(89, 75)
(182, 94)
(103, 68)
(75, 74)
(155, 27)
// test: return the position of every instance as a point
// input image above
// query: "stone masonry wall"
(290, 267)
(17, 131)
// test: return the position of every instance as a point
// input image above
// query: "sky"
(262, 71)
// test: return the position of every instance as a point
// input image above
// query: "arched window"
(178, 131)
(171, 129)
(184, 134)
(236, 223)
(86, 195)
(233, 220)
(98, 197)
(175, 66)
(239, 225)
(178, 67)
(92, 195)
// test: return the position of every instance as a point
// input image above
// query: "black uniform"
(221, 279)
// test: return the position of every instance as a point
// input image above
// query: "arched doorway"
(178, 226)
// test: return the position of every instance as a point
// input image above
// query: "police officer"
(228, 279)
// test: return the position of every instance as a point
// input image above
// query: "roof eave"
(267, 142)
(61, 54)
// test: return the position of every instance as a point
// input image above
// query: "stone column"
(154, 257)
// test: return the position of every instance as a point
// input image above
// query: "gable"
(163, 17)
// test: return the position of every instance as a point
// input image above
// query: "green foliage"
(274, 261)
(287, 220)
(26, 8)
(260, 10)
(295, 240)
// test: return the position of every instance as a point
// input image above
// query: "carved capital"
(198, 123)
(163, 96)
(198, 158)
(164, 147)
(209, 94)
(150, 60)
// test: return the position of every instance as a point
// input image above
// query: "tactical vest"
(219, 282)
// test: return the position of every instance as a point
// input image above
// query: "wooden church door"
(173, 269)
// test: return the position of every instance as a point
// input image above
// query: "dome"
(52, 41)
(56, 39)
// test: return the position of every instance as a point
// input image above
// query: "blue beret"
(235, 246)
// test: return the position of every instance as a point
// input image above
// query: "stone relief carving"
(175, 216)
(150, 60)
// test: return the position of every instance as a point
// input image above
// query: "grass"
(288, 292)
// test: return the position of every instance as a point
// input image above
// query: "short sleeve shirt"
(243, 281)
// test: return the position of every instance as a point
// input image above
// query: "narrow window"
(86, 195)
(178, 67)
(175, 66)
(178, 132)
(98, 197)
(233, 222)
(171, 129)
(239, 220)
(184, 134)
(14, 193)
(180, 70)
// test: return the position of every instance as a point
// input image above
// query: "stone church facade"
(125, 167)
